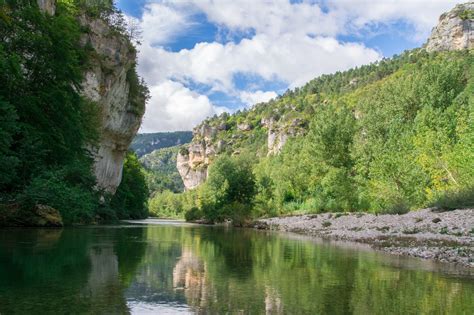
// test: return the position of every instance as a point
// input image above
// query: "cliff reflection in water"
(189, 269)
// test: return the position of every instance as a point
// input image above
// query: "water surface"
(177, 268)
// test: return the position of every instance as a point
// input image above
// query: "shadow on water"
(178, 268)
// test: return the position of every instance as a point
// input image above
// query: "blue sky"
(202, 57)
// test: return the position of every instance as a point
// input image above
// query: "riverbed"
(167, 267)
(446, 236)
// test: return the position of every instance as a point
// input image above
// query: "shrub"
(76, 203)
(460, 199)
(397, 206)
(230, 190)
(193, 214)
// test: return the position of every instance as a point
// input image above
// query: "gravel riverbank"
(442, 236)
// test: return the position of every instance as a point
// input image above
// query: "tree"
(229, 191)
(130, 200)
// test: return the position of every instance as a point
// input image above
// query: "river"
(177, 268)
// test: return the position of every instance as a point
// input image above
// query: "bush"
(193, 214)
(460, 199)
(60, 189)
(398, 206)
(239, 213)
(230, 190)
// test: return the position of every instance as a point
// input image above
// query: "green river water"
(173, 268)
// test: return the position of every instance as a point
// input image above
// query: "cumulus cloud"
(293, 59)
(174, 107)
(287, 42)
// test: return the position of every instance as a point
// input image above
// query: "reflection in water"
(205, 270)
(190, 275)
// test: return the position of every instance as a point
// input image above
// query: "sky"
(203, 57)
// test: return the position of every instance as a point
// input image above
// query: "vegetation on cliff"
(161, 171)
(46, 126)
(388, 137)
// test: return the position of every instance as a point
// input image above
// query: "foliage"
(193, 214)
(161, 171)
(45, 123)
(66, 189)
(229, 191)
(130, 200)
(457, 199)
(171, 205)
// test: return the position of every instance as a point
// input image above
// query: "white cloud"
(251, 98)
(293, 59)
(174, 107)
(161, 23)
(271, 17)
(422, 14)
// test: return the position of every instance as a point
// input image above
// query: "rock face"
(193, 162)
(191, 166)
(48, 6)
(455, 30)
(107, 83)
(279, 134)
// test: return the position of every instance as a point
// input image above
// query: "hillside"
(386, 138)
(162, 174)
(145, 143)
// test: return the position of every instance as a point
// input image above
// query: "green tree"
(130, 200)
(230, 190)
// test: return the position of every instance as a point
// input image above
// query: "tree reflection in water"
(210, 270)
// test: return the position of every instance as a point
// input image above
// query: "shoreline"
(441, 236)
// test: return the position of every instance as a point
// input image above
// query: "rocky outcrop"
(278, 135)
(244, 127)
(107, 82)
(38, 215)
(48, 6)
(455, 30)
(193, 161)
(192, 165)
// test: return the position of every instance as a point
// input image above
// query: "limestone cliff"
(455, 30)
(217, 135)
(109, 80)
(192, 162)
(280, 132)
